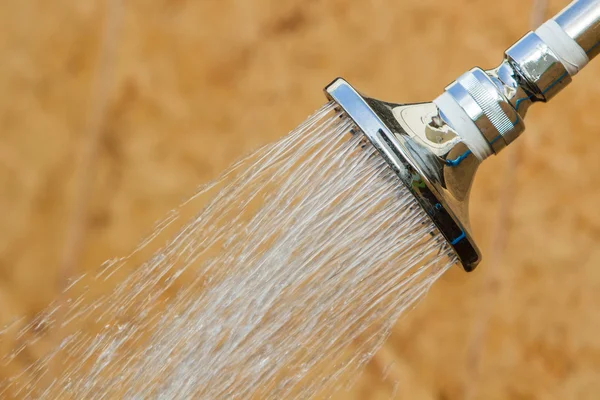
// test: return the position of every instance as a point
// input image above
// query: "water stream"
(278, 280)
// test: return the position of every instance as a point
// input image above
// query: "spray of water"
(301, 259)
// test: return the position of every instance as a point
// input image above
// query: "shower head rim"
(410, 171)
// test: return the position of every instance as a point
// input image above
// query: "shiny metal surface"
(508, 81)
(500, 123)
(474, 107)
(545, 76)
(427, 153)
(581, 21)
(428, 157)
(497, 100)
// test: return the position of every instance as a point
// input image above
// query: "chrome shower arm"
(535, 69)
(581, 21)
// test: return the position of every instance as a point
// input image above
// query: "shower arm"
(534, 69)
(435, 148)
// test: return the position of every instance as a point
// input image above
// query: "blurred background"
(113, 112)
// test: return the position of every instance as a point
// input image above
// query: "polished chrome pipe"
(435, 148)
(581, 21)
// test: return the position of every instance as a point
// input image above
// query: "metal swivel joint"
(536, 68)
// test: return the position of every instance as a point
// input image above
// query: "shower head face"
(426, 154)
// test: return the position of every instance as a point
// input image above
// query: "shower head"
(435, 148)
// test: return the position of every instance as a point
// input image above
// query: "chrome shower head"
(426, 154)
(435, 148)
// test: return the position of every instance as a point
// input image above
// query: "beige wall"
(184, 88)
